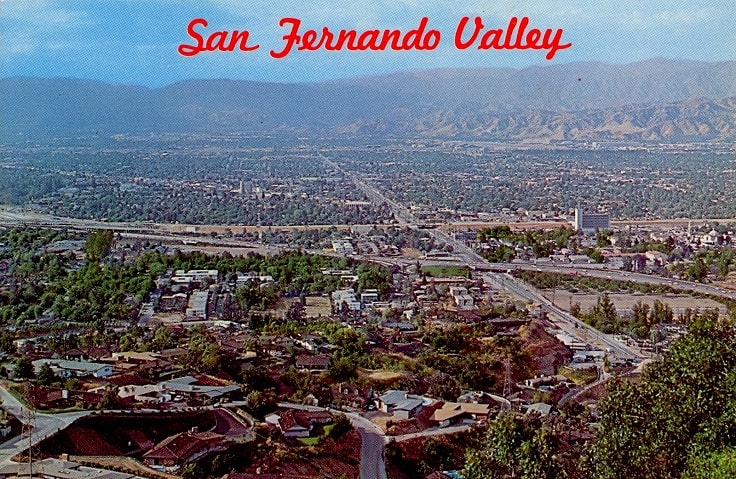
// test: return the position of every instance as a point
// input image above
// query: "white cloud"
(43, 15)
(27, 25)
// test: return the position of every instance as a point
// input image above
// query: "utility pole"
(28, 427)
(507, 381)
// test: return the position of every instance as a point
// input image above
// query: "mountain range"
(652, 100)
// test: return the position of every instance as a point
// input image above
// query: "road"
(600, 271)
(431, 432)
(373, 442)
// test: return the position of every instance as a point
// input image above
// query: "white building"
(369, 296)
(197, 307)
(244, 278)
(461, 298)
(590, 222)
(197, 274)
(343, 247)
(346, 296)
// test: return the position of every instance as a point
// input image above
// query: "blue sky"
(136, 41)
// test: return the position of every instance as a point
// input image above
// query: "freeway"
(567, 322)
(598, 271)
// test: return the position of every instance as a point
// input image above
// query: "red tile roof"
(181, 446)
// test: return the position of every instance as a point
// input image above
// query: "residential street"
(372, 464)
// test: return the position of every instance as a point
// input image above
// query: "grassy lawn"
(444, 271)
(312, 441)
(581, 377)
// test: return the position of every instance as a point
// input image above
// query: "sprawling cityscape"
(312, 309)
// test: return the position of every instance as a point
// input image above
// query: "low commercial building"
(197, 307)
(345, 297)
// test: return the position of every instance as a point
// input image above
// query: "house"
(172, 354)
(294, 424)
(710, 239)
(656, 257)
(401, 326)
(482, 397)
(369, 296)
(310, 342)
(545, 383)
(343, 247)
(26, 345)
(586, 356)
(147, 393)
(580, 259)
(348, 395)
(288, 424)
(197, 306)
(89, 353)
(58, 469)
(197, 275)
(78, 369)
(148, 363)
(56, 398)
(175, 303)
(456, 412)
(314, 363)
(243, 278)
(388, 401)
(408, 408)
(178, 450)
(188, 387)
(400, 403)
(540, 408)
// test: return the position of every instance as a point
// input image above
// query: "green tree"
(296, 312)
(340, 426)
(110, 399)
(716, 465)
(604, 316)
(261, 403)
(203, 354)
(193, 471)
(682, 411)
(516, 446)
(6, 341)
(98, 244)
(23, 368)
(373, 276)
(45, 376)
(444, 386)
(163, 339)
(698, 270)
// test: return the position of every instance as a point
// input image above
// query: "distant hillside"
(650, 100)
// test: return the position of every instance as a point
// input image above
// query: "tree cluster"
(679, 421)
